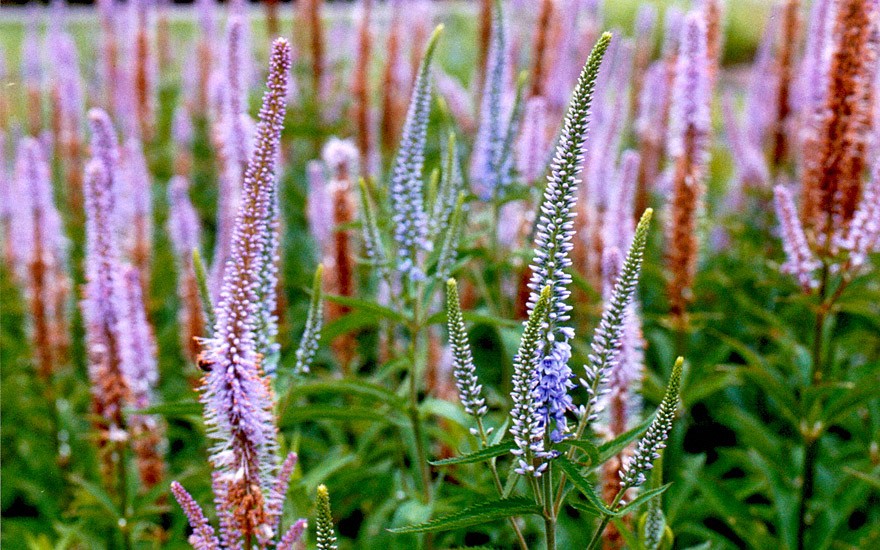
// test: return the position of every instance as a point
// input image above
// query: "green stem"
(484, 439)
(416, 330)
(606, 519)
(549, 512)
(811, 439)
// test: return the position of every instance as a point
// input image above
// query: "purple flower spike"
(293, 535)
(801, 262)
(690, 94)
(203, 537)
(864, 229)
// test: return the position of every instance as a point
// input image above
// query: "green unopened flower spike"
(370, 231)
(470, 392)
(326, 538)
(449, 246)
(654, 440)
(308, 344)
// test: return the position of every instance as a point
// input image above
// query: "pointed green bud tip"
(451, 283)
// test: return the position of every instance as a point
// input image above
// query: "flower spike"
(470, 392)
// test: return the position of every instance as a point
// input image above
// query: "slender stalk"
(811, 438)
(416, 330)
(484, 438)
(549, 511)
(606, 519)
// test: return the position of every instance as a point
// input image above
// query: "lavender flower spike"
(238, 401)
(470, 392)
(552, 246)
(293, 535)
(654, 440)
(203, 537)
(407, 200)
(607, 339)
(863, 236)
(308, 344)
(801, 261)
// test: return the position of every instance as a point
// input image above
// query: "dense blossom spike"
(139, 364)
(553, 238)
(184, 229)
(531, 153)
(451, 184)
(308, 344)
(325, 537)
(275, 500)
(608, 337)
(864, 231)
(203, 537)
(649, 446)
(525, 423)
(763, 83)
(689, 130)
(407, 201)
(41, 252)
(237, 397)
(752, 171)
(837, 132)
(470, 392)
(618, 226)
(452, 237)
(801, 262)
(487, 162)
(655, 525)
(139, 184)
(293, 535)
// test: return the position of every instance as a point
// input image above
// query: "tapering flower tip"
(646, 21)
(487, 173)
(293, 535)
(555, 229)
(672, 24)
(341, 158)
(325, 538)
(526, 423)
(69, 81)
(608, 337)
(634, 473)
(407, 196)
(800, 260)
(470, 392)
(863, 236)
(308, 344)
(105, 144)
(690, 116)
(203, 537)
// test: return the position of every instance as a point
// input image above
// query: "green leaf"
(98, 493)
(582, 484)
(477, 456)
(174, 409)
(349, 387)
(586, 446)
(616, 445)
(296, 415)
(367, 306)
(643, 498)
(475, 515)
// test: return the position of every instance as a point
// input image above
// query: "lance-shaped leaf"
(475, 515)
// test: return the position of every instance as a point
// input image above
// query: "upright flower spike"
(864, 231)
(688, 149)
(801, 262)
(139, 359)
(325, 537)
(237, 398)
(184, 230)
(531, 153)
(791, 22)
(42, 256)
(360, 85)
(525, 423)
(447, 192)
(373, 245)
(308, 344)
(293, 536)
(837, 134)
(111, 392)
(69, 104)
(553, 244)
(203, 537)
(139, 182)
(543, 28)
(487, 163)
(608, 337)
(654, 440)
(407, 200)
(470, 392)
